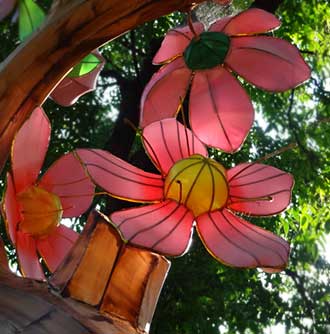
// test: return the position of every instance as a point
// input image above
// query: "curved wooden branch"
(73, 30)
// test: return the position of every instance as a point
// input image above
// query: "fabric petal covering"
(175, 42)
(6, 6)
(121, 179)
(56, 246)
(235, 242)
(164, 227)
(260, 190)
(269, 63)
(162, 95)
(27, 257)
(26, 163)
(70, 89)
(10, 209)
(168, 141)
(250, 22)
(68, 179)
(221, 113)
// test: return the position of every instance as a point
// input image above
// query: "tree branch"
(74, 29)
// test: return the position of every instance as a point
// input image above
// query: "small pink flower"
(33, 207)
(6, 6)
(220, 111)
(194, 190)
(70, 89)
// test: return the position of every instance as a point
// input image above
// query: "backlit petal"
(120, 178)
(56, 246)
(6, 6)
(269, 63)
(29, 148)
(237, 243)
(260, 190)
(10, 209)
(27, 257)
(221, 113)
(68, 179)
(168, 141)
(164, 227)
(220, 24)
(162, 95)
(175, 42)
(70, 89)
(250, 22)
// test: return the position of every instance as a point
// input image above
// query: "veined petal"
(6, 6)
(250, 22)
(221, 113)
(175, 42)
(165, 227)
(10, 209)
(27, 257)
(120, 178)
(168, 141)
(237, 243)
(220, 24)
(56, 246)
(257, 189)
(26, 163)
(70, 89)
(69, 180)
(169, 84)
(269, 63)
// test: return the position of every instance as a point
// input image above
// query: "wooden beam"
(73, 30)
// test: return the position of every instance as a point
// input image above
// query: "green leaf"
(30, 18)
(207, 51)
(88, 64)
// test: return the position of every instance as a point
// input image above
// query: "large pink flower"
(221, 113)
(33, 207)
(194, 189)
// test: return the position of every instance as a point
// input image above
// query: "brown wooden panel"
(92, 275)
(128, 285)
(152, 292)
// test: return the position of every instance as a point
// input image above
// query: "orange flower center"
(199, 183)
(41, 211)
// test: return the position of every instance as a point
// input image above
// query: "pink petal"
(269, 63)
(220, 24)
(69, 180)
(168, 141)
(249, 22)
(237, 243)
(260, 190)
(165, 227)
(56, 246)
(27, 257)
(69, 89)
(6, 6)
(29, 149)
(175, 42)
(169, 84)
(121, 179)
(10, 209)
(221, 113)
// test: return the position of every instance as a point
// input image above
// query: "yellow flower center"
(41, 211)
(199, 183)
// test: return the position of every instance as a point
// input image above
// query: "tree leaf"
(88, 64)
(30, 18)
